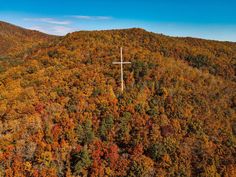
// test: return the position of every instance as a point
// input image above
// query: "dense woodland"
(15, 40)
(62, 112)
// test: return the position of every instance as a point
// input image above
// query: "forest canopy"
(62, 112)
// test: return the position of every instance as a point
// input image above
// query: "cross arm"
(121, 62)
(116, 63)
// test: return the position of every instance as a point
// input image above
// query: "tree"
(80, 160)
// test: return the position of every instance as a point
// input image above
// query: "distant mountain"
(62, 112)
(14, 39)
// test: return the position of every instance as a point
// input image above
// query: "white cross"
(121, 68)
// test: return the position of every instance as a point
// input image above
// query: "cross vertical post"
(121, 68)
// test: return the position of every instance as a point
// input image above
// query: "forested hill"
(218, 58)
(62, 112)
(14, 39)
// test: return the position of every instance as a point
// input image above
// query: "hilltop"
(14, 39)
(62, 112)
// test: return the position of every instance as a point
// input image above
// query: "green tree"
(80, 160)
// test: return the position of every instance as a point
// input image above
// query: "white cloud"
(103, 17)
(62, 30)
(49, 20)
(85, 17)
(38, 28)
(82, 17)
(52, 29)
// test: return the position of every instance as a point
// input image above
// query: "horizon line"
(110, 29)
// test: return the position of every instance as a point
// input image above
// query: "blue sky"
(199, 18)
